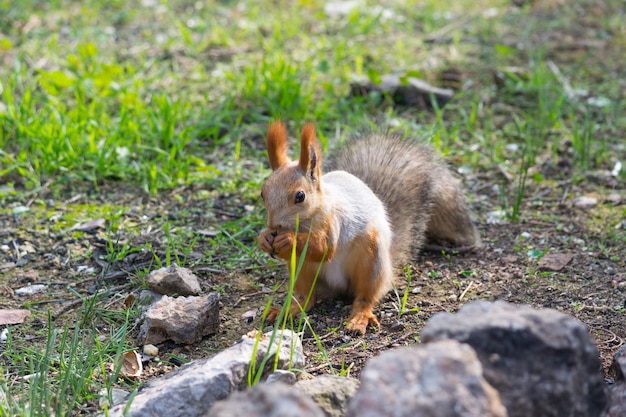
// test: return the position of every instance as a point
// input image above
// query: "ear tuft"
(310, 156)
(276, 142)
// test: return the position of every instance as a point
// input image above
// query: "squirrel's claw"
(282, 244)
(358, 322)
(266, 242)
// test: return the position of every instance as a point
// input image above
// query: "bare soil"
(591, 287)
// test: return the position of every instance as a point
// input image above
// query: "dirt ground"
(591, 286)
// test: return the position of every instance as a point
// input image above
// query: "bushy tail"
(424, 200)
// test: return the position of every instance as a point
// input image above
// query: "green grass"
(99, 94)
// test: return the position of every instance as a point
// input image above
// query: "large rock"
(617, 390)
(192, 389)
(174, 280)
(441, 379)
(267, 400)
(542, 362)
(181, 319)
(617, 406)
(332, 393)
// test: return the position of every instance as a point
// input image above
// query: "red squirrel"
(384, 195)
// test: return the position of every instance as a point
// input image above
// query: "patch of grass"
(66, 376)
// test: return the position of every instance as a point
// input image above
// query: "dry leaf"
(89, 226)
(13, 316)
(555, 261)
(129, 301)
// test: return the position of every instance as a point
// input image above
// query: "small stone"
(249, 315)
(13, 316)
(181, 319)
(280, 375)
(496, 217)
(151, 350)
(89, 227)
(174, 280)
(20, 210)
(31, 289)
(554, 261)
(396, 326)
(585, 202)
(147, 297)
(117, 396)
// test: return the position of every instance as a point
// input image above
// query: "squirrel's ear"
(276, 142)
(310, 155)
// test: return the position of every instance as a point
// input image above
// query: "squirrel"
(383, 196)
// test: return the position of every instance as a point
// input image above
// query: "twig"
(466, 290)
(569, 91)
(438, 34)
(246, 296)
(564, 196)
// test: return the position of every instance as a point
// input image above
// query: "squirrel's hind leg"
(370, 272)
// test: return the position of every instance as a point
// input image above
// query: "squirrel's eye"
(299, 197)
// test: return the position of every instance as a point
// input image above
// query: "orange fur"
(366, 281)
(276, 142)
(310, 155)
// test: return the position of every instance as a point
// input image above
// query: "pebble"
(117, 396)
(151, 350)
(585, 202)
(496, 217)
(280, 375)
(31, 289)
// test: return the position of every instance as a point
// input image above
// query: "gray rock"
(542, 362)
(441, 379)
(147, 297)
(181, 319)
(617, 391)
(617, 407)
(282, 376)
(618, 367)
(174, 280)
(331, 393)
(192, 389)
(267, 400)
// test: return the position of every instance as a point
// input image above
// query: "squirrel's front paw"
(266, 241)
(272, 315)
(283, 244)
